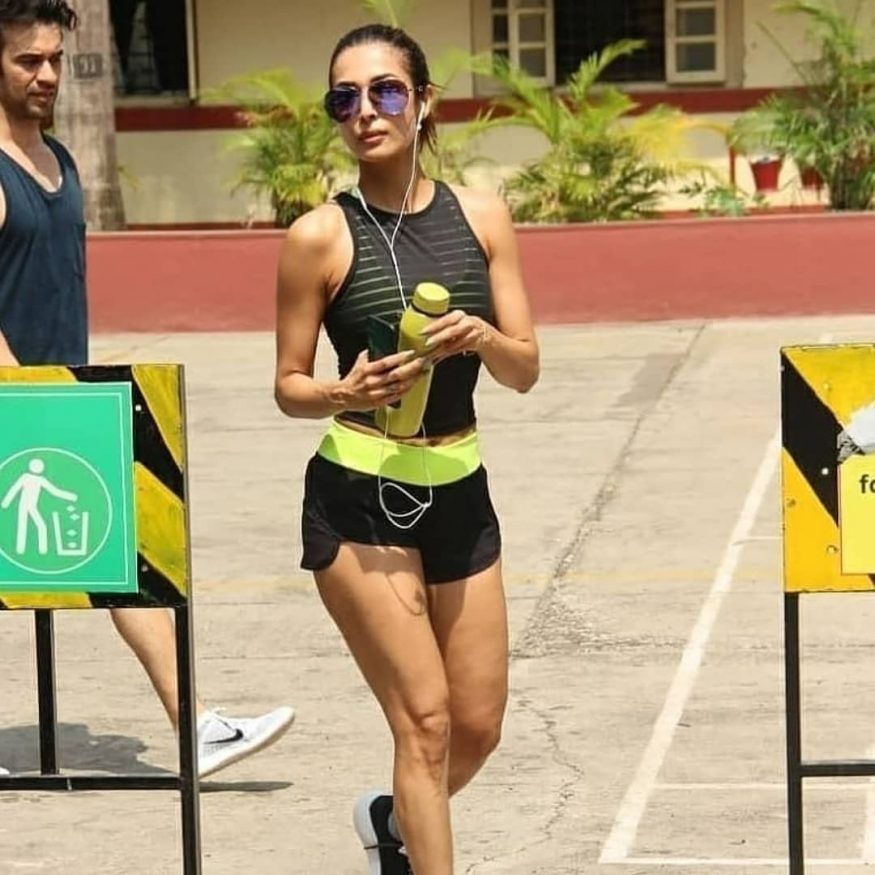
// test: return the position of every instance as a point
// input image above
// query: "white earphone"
(399, 519)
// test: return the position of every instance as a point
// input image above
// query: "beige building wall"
(764, 64)
(235, 37)
(185, 177)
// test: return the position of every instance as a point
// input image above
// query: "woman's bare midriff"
(436, 441)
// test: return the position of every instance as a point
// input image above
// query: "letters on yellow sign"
(857, 514)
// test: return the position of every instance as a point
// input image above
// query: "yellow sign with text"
(827, 465)
(857, 514)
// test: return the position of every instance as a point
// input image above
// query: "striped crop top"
(435, 244)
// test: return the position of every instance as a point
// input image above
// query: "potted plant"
(766, 172)
(810, 177)
(753, 135)
(828, 124)
(291, 150)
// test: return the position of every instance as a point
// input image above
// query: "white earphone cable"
(405, 519)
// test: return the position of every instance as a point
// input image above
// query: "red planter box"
(679, 269)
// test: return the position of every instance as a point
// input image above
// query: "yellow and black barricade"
(94, 514)
(828, 502)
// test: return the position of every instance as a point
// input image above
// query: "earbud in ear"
(420, 119)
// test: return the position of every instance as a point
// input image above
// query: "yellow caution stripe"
(161, 528)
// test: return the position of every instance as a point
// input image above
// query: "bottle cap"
(431, 298)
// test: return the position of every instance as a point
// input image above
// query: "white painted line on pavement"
(631, 810)
(867, 785)
(706, 862)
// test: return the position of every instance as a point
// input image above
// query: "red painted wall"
(183, 281)
(677, 269)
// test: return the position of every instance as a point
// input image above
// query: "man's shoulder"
(61, 151)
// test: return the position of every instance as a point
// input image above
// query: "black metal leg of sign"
(45, 673)
(794, 733)
(191, 842)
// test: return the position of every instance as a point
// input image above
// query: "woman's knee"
(424, 735)
(476, 737)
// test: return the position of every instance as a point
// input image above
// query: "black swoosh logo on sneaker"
(237, 736)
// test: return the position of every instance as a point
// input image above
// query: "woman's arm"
(311, 261)
(509, 349)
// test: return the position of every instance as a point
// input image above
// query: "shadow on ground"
(78, 750)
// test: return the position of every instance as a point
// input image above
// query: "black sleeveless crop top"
(435, 244)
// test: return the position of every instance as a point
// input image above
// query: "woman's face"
(374, 80)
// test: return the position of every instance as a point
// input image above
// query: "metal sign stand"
(827, 464)
(132, 429)
(797, 768)
(185, 781)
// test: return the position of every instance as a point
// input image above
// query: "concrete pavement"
(641, 519)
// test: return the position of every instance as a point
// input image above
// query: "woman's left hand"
(454, 333)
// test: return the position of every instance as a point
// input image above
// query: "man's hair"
(29, 12)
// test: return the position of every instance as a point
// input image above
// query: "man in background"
(43, 311)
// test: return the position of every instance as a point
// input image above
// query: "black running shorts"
(456, 537)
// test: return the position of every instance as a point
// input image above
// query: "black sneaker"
(371, 818)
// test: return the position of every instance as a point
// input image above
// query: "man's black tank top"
(43, 312)
(435, 244)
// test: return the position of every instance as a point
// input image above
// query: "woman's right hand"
(369, 385)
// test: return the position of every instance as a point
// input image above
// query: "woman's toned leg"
(378, 600)
(470, 622)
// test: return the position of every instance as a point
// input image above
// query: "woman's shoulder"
(317, 228)
(486, 213)
(478, 203)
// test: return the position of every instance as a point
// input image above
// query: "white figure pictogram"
(28, 488)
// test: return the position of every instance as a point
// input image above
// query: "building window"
(150, 39)
(522, 32)
(685, 40)
(696, 37)
(587, 26)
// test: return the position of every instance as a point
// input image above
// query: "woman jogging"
(400, 533)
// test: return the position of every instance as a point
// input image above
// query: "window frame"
(172, 98)
(514, 10)
(728, 65)
(718, 39)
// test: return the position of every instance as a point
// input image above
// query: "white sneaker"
(224, 740)
(3, 771)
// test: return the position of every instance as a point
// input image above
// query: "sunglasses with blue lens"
(388, 97)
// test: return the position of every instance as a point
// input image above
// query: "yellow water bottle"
(430, 301)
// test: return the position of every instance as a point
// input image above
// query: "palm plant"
(602, 163)
(457, 150)
(829, 122)
(290, 150)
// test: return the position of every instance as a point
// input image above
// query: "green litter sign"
(67, 513)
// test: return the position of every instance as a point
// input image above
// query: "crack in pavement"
(535, 639)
